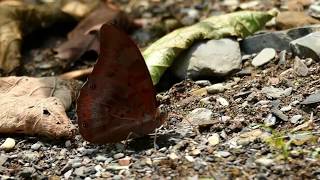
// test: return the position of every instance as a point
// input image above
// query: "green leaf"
(161, 54)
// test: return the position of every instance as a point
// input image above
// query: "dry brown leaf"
(36, 106)
(85, 36)
(18, 18)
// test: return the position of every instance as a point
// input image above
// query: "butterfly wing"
(119, 98)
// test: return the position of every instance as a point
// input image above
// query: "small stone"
(36, 146)
(101, 158)
(223, 101)
(117, 177)
(294, 119)
(3, 159)
(76, 165)
(203, 83)
(223, 154)
(124, 161)
(264, 162)
(265, 56)
(195, 152)
(312, 99)
(118, 156)
(200, 116)
(307, 46)
(279, 114)
(68, 143)
(205, 100)
(8, 144)
(300, 68)
(80, 171)
(282, 58)
(270, 120)
(214, 139)
(217, 88)
(286, 108)
(273, 92)
(68, 174)
(173, 156)
(189, 158)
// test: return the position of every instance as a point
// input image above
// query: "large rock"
(207, 59)
(279, 40)
(307, 46)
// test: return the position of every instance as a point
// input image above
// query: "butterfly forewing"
(119, 98)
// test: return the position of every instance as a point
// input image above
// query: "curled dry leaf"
(85, 35)
(19, 18)
(36, 106)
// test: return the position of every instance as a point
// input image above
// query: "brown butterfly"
(119, 99)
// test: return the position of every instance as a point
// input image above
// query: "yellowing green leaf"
(161, 54)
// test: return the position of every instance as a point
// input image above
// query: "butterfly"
(118, 100)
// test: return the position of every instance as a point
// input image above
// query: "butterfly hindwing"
(119, 98)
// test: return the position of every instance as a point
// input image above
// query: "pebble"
(214, 139)
(124, 161)
(173, 156)
(36, 146)
(118, 156)
(101, 158)
(67, 143)
(217, 88)
(312, 99)
(203, 83)
(279, 114)
(264, 162)
(273, 92)
(27, 172)
(223, 101)
(200, 116)
(3, 159)
(270, 120)
(282, 58)
(8, 144)
(223, 154)
(294, 119)
(80, 171)
(196, 152)
(265, 56)
(286, 108)
(300, 68)
(189, 158)
(68, 174)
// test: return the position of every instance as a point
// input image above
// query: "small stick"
(76, 74)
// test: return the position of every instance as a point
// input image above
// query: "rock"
(294, 119)
(278, 40)
(124, 161)
(8, 144)
(300, 68)
(223, 101)
(312, 99)
(279, 114)
(203, 83)
(286, 108)
(307, 46)
(314, 10)
(248, 137)
(173, 156)
(101, 158)
(80, 171)
(223, 154)
(273, 92)
(27, 172)
(118, 156)
(3, 159)
(189, 158)
(36, 146)
(291, 19)
(265, 56)
(264, 162)
(282, 58)
(68, 143)
(214, 139)
(217, 88)
(30, 156)
(270, 120)
(68, 174)
(208, 59)
(200, 116)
